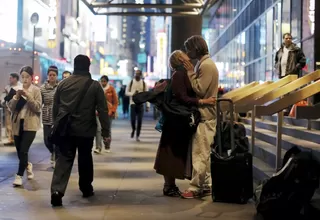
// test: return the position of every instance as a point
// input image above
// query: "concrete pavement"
(125, 183)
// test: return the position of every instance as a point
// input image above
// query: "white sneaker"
(97, 151)
(30, 174)
(17, 181)
(107, 150)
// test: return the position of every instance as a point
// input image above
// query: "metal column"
(253, 129)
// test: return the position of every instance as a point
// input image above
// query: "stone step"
(315, 124)
(261, 170)
(287, 141)
(288, 129)
(265, 152)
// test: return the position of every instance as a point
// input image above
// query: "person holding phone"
(26, 109)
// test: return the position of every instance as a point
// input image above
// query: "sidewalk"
(125, 183)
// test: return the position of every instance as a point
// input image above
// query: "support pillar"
(182, 28)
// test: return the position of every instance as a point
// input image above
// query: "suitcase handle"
(219, 120)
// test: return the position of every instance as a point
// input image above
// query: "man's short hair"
(66, 72)
(15, 75)
(285, 34)
(198, 43)
(139, 72)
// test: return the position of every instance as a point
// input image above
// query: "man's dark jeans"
(65, 161)
(136, 112)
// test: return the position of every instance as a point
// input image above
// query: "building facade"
(244, 36)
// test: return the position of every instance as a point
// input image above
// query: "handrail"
(296, 84)
(279, 105)
(289, 100)
(247, 103)
(245, 93)
(288, 86)
(234, 92)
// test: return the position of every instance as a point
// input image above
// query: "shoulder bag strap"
(82, 94)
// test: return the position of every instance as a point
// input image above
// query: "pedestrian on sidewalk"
(79, 96)
(137, 85)
(112, 102)
(26, 110)
(204, 79)
(48, 90)
(9, 92)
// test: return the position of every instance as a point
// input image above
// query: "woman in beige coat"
(26, 108)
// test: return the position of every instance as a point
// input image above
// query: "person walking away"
(204, 78)
(10, 90)
(26, 110)
(48, 90)
(112, 102)
(137, 85)
(125, 100)
(82, 128)
(172, 155)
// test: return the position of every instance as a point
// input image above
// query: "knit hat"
(53, 69)
(81, 63)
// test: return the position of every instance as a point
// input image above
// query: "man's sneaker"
(107, 150)
(56, 199)
(97, 151)
(138, 139)
(17, 180)
(30, 174)
(188, 194)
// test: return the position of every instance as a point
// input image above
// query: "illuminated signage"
(8, 20)
(161, 66)
(312, 9)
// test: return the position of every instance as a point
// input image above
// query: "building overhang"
(180, 8)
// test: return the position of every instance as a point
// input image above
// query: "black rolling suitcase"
(232, 180)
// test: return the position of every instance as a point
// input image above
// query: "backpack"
(290, 190)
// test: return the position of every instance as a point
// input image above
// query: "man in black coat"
(82, 128)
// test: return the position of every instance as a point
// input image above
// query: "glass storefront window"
(245, 49)
(308, 49)
(276, 27)
(285, 23)
(269, 45)
(296, 20)
(308, 18)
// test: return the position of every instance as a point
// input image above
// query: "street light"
(34, 20)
